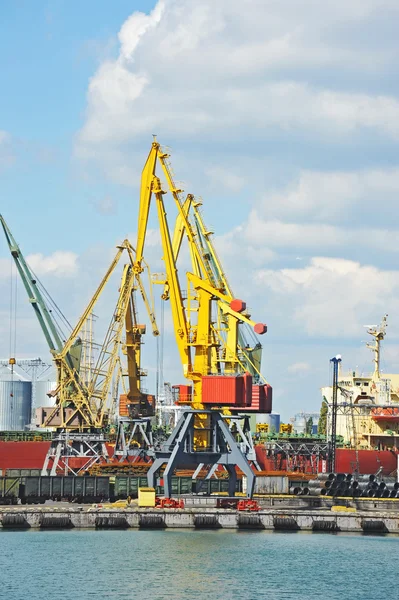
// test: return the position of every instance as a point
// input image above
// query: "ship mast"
(378, 333)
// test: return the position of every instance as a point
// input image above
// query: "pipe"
(295, 491)
(326, 476)
(385, 494)
(315, 483)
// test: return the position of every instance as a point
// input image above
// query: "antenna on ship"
(378, 332)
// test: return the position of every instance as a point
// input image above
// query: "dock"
(344, 517)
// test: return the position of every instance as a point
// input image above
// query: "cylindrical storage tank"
(272, 419)
(15, 405)
(42, 389)
(300, 424)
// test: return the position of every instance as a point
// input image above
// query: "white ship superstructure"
(368, 406)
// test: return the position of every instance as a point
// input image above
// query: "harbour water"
(211, 565)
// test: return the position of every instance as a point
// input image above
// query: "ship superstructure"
(367, 405)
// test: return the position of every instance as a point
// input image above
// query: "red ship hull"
(31, 455)
(369, 462)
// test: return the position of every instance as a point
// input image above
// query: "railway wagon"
(36, 490)
(9, 490)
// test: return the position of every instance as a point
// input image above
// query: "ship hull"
(370, 461)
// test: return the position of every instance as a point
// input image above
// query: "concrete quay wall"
(271, 520)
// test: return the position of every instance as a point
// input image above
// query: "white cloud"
(332, 297)
(60, 264)
(333, 195)
(272, 234)
(241, 70)
(225, 178)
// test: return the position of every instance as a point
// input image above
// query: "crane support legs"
(179, 452)
(89, 447)
(134, 438)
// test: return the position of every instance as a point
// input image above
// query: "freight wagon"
(36, 489)
(9, 490)
(128, 486)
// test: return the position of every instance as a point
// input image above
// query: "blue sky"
(283, 117)
(49, 51)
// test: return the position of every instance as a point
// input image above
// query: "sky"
(282, 116)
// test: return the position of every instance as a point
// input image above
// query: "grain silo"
(270, 419)
(15, 403)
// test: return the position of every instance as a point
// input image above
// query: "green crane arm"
(35, 297)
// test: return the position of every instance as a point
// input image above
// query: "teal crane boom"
(46, 320)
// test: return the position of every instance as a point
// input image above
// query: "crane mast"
(207, 438)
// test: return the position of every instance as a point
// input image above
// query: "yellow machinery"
(85, 405)
(208, 344)
(285, 428)
(262, 428)
(198, 336)
(245, 352)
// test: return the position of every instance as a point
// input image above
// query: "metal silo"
(15, 404)
(272, 419)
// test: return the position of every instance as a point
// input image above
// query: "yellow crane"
(84, 408)
(235, 350)
(195, 332)
(206, 436)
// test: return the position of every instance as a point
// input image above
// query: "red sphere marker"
(260, 328)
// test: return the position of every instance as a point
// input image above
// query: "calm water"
(207, 565)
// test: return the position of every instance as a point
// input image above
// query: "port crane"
(209, 359)
(83, 409)
(248, 356)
